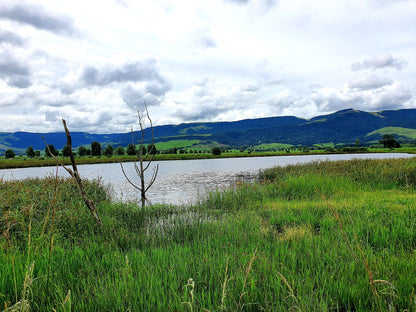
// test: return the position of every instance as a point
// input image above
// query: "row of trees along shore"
(95, 149)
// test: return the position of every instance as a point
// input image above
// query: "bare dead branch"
(127, 178)
(75, 174)
(90, 203)
(153, 179)
(138, 171)
(139, 165)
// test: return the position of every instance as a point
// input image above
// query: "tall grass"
(382, 173)
(276, 245)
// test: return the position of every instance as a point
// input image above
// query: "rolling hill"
(345, 126)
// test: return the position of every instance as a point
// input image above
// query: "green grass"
(176, 143)
(405, 132)
(325, 145)
(271, 146)
(326, 236)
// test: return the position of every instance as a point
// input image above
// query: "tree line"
(94, 149)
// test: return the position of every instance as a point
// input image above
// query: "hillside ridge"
(344, 126)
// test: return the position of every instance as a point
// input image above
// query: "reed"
(275, 245)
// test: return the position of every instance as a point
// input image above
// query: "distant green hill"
(345, 126)
(398, 131)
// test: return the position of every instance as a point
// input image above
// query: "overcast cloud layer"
(95, 63)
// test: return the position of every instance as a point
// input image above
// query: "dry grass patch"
(295, 233)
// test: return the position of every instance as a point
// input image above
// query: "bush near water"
(325, 236)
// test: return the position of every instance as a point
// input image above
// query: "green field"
(405, 132)
(271, 146)
(326, 236)
(325, 145)
(176, 143)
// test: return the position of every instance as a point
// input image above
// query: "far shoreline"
(25, 162)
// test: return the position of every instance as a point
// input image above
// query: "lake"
(182, 181)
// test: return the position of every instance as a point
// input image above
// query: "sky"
(96, 63)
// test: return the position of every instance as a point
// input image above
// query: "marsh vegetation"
(323, 236)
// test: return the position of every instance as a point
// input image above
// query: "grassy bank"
(328, 236)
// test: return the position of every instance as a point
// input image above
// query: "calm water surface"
(182, 181)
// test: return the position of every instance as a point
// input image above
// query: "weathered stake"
(75, 175)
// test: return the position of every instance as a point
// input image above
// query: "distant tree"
(142, 150)
(9, 153)
(82, 151)
(131, 149)
(151, 149)
(95, 149)
(357, 142)
(37, 153)
(109, 151)
(389, 141)
(65, 151)
(216, 151)
(120, 151)
(30, 152)
(51, 149)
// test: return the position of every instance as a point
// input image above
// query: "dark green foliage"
(9, 153)
(120, 151)
(30, 152)
(172, 151)
(151, 149)
(216, 151)
(108, 151)
(389, 141)
(51, 149)
(142, 150)
(65, 151)
(131, 149)
(82, 151)
(95, 149)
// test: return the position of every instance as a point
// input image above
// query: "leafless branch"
(75, 174)
(125, 175)
(139, 165)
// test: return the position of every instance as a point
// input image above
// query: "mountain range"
(342, 127)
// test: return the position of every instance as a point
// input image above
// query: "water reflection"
(193, 184)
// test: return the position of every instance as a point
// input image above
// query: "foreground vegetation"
(327, 236)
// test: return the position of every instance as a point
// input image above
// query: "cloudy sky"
(96, 62)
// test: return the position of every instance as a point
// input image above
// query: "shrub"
(9, 153)
(216, 151)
